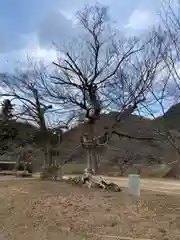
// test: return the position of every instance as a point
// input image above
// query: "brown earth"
(32, 209)
(169, 187)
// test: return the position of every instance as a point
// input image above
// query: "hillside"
(135, 151)
(171, 118)
(140, 151)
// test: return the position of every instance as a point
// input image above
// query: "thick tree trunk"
(90, 149)
(94, 159)
(89, 160)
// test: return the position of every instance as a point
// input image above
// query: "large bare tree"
(101, 72)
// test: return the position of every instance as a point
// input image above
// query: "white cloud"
(141, 20)
(34, 50)
(59, 26)
(31, 50)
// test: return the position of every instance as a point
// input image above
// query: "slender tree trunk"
(46, 153)
(60, 172)
(17, 162)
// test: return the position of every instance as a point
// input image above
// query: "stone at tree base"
(91, 181)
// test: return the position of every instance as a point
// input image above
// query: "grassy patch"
(156, 171)
(73, 168)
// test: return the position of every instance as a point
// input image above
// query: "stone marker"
(134, 184)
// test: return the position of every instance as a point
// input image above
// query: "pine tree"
(7, 109)
(7, 131)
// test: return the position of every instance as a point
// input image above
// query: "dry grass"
(72, 168)
(154, 171)
(32, 209)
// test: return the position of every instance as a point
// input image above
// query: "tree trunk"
(90, 149)
(17, 162)
(46, 153)
(95, 159)
(60, 172)
(176, 170)
(89, 160)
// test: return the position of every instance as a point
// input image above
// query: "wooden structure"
(7, 165)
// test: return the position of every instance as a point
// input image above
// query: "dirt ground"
(166, 186)
(34, 209)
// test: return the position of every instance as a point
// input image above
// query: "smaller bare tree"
(25, 87)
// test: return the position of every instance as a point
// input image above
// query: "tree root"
(91, 181)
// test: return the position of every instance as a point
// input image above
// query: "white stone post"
(134, 184)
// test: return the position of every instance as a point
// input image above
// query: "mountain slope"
(139, 151)
(171, 119)
(145, 152)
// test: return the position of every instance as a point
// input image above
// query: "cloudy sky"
(29, 27)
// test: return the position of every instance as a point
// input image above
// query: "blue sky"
(29, 27)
